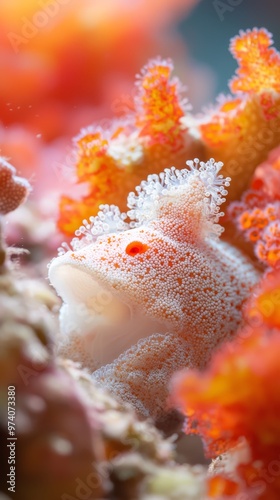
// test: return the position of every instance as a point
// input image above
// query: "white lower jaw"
(96, 326)
(101, 342)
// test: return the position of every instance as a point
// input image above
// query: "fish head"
(120, 288)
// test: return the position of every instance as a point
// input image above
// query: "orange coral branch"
(259, 64)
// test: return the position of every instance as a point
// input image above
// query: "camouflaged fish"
(154, 290)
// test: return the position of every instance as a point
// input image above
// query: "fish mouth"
(86, 293)
(97, 325)
(94, 321)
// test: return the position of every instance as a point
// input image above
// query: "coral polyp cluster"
(160, 106)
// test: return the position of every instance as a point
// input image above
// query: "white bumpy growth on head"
(108, 220)
(195, 193)
(189, 199)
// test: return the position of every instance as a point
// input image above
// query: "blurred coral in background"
(70, 59)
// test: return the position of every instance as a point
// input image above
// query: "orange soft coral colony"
(238, 395)
(159, 131)
(244, 129)
(157, 272)
(113, 161)
(223, 403)
(257, 215)
(108, 162)
(93, 163)
(259, 64)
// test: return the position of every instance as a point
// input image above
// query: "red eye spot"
(136, 247)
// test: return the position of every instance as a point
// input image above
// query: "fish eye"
(136, 247)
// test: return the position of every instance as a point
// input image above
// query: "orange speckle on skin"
(77, 257)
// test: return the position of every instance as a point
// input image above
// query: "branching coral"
(159, 131)
(259, 63)
(159, 106)
(160, 268)
(244, 128)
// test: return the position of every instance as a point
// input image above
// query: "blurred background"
(65, 62)
(210, 25)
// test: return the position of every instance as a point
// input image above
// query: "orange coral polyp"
(136, 247)
(256, 218)
(266, 304)
(257, 215)
(160, 107)
(259, 64)
(230, 105)
(268, 246)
